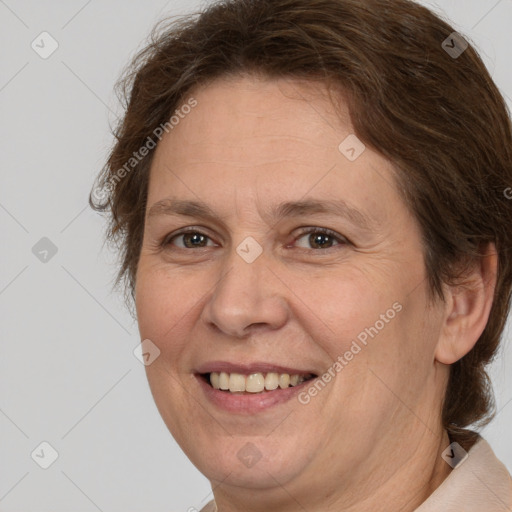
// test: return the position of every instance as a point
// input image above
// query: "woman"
(310, 200)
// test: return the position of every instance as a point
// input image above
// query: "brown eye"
(317, 238)
(190, 240)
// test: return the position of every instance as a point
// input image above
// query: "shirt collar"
(479, 482)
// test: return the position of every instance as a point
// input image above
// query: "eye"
(321, 238)
(317, 238)
(191, 239)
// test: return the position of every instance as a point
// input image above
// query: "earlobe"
(467, 308)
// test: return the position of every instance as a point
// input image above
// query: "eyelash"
(305, 231)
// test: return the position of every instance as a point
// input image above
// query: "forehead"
(237, 117)
(249, 136)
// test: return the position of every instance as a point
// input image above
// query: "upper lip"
(249, 368)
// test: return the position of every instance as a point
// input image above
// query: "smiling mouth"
(254, 383)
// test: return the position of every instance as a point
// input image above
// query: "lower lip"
(249, 403)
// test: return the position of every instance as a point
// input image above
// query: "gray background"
(67, 371)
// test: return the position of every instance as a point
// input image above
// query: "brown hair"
(437, 117)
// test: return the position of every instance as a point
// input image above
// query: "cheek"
(401, 356)
(344, 305)
(161, 304)
(161, 315)
(382, 327)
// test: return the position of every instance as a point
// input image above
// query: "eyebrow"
(199, 209)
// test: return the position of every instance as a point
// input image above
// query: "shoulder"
(480, 482)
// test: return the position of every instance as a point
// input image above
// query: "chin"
(253, 462)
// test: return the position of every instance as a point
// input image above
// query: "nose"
(246, 298)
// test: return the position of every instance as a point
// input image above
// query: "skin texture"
(372, 438)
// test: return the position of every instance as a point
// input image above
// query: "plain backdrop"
(68, 375)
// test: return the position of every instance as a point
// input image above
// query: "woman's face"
(258, 287)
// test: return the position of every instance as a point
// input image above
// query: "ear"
(467, 308)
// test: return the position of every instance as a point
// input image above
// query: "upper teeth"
(255, 382)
